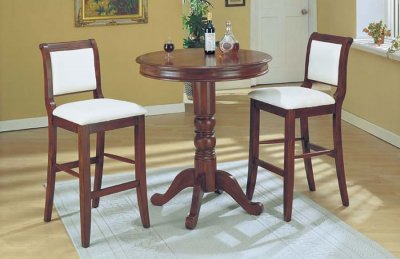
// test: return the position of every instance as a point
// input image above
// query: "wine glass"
(169, 47)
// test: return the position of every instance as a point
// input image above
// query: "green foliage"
(378, 31)
(395, 45)
(194, 23)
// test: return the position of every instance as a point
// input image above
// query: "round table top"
(193, 65)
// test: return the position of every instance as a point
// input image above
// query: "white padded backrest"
(73, 71)
(323, 63)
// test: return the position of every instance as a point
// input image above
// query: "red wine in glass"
(169, 47)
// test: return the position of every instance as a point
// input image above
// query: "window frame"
(393, 17)
(373, 11)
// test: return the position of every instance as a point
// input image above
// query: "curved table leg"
(183, 180)
(228, 183)
(191, 219)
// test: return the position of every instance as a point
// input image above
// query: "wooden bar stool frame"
(85, 160)
(289, 135)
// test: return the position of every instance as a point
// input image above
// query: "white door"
(281, 28)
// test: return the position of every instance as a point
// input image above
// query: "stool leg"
(253, 149)
(306, 149)
(140, 171)
(98, 173)
(337, 140)
(84, 184)
(51, 171)
(288, 178)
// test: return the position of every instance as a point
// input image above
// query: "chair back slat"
(73, 71)
(324, 62)
(70, 67)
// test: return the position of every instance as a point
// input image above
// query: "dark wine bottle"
(209, 36)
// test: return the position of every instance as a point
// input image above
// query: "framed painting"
(232, 3)
(110, 12)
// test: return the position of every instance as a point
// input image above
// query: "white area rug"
(224, 229)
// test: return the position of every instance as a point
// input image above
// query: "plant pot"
(188, 90)
(379, 41)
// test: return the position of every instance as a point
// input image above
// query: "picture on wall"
(232, 3)
(110, 12)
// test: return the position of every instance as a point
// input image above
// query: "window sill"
(367, 45)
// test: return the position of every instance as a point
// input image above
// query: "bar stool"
(326, 62)
(74, 67)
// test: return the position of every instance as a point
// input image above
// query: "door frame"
(312, 24)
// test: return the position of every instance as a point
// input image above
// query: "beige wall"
(239, 17)
(337, 17)
(373, 82)
(373, 91)
(23, 26)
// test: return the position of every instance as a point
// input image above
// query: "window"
(375, 10)
(394, 21)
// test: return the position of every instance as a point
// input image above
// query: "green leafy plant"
(395, 45)
(378, 31)
(194, 23)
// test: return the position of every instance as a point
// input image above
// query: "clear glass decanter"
(228, 42)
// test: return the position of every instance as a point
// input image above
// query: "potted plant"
(194, 22)
(395, 45)
(378, 31)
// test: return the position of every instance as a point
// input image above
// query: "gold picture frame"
(232, 3)
(110, 12)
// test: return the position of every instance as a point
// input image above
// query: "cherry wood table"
(192, 65)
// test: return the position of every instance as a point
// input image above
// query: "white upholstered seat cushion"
(292, 97)
(97, 110)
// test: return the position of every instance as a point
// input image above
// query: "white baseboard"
(367, 126)
(40, 122)
(30, 123)
(371, 128)
(238, 84)
(165, 109)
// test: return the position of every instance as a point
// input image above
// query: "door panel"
(280, 29)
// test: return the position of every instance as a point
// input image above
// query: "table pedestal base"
(205, 177)
(224, 182)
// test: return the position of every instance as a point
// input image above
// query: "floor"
(372, 168)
